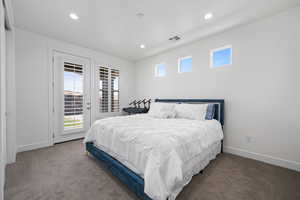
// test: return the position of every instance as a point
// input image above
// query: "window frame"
(212, 51)
(156, 70)
(179, 61)
(108, 86)
(110, 90)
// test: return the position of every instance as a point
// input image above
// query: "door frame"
(51, 124)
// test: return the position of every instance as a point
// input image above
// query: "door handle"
(88, 105)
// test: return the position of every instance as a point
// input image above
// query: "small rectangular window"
(185, 64)
(221, 57)
(160, 70)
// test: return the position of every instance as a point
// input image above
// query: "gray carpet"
(64, 172)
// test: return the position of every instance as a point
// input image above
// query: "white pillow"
(162, 110)
(191, 111)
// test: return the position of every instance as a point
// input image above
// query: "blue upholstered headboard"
(219, 105)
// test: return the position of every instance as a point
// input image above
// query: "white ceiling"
(113, 27)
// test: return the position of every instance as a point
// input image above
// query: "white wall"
(2, 103)
(261, 88)
(10, 97)
(33, 62)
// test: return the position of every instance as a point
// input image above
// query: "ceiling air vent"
(175, 38)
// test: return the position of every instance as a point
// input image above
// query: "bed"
(154, 157)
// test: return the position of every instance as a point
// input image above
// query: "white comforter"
(157, 149)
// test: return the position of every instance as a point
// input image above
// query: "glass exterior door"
(72, 111)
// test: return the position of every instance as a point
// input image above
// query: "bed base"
(133, 181)
(125, 175)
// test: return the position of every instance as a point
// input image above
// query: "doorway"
(72, 96)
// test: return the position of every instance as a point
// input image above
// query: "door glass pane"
(73, 96)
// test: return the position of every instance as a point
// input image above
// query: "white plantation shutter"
(103, 89)
(115, 97)
(109, 100)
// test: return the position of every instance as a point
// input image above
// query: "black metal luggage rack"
(136, 107)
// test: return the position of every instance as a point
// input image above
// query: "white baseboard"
(264, 158)
(11, 159)
(29, 147)
(65, 138)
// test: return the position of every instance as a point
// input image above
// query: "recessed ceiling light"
(143, 46)
(208, 16)
(74, 16)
